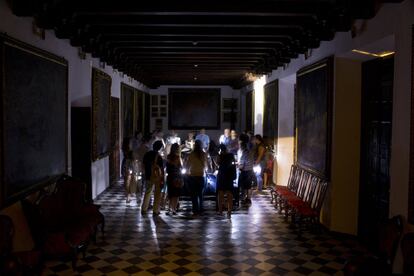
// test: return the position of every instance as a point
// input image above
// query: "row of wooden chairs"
(302, 198)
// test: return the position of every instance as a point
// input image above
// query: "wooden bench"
(302, 198)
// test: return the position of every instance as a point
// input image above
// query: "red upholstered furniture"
(16, 263)
(302, 198)
(62, 223)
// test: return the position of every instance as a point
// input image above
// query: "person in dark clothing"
(225, 177)
(197, 164)
(151, 159)
(174, 177)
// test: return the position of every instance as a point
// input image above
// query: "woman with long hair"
(174, 178)
(245, 165)
(225, 177)
(197, 163)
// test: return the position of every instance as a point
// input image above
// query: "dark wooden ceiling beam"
(192, 21)
(190, 7)
(160, 41)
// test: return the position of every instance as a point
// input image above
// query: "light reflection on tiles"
(256, 241)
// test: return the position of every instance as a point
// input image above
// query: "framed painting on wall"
(194, 108)
(101, 115)
(313, 117)
(127, 110)
(410, 216)
(34, 119)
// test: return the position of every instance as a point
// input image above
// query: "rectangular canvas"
(101, 115)
(127, 109)
(194, 108)
(411, 176)
(313, 105)
(34, 110)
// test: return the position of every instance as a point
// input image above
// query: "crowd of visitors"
(162, 168)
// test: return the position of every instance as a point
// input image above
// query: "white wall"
(226, 92)
(285, 143)
(80, 78)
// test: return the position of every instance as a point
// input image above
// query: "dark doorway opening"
(376, 123)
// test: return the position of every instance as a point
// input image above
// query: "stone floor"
(256, 241)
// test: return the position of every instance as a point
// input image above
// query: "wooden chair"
(407, 247)
(381, 261)
(16, 263)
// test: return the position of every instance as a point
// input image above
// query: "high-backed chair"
(382, 259)
(16, 263)
(407, 247)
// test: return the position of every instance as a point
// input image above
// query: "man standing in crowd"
(225, 137)
(205, 140)
(154, 175)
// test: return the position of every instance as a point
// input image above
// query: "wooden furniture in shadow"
(381, 261)
(16, 263)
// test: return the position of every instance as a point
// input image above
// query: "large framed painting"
(313, 117)
(270, 113)
(194, 108)
(101, 115)
(410, 216)
(127, 110)
(34, 119)
(132, 109)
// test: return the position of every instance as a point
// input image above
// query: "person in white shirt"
(225, 137)
(172, 139)
(205, 140)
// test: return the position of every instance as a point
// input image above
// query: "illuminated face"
(233, 134)
(190, 136)
(202, 131)
(227, 132)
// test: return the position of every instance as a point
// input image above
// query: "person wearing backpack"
(225, 177)
(197, 164)
(154, 176)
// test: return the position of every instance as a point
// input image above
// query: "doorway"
(376, 132)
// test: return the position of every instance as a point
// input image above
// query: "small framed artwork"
(163, 100)
(154, 111)
(229, 103)
(227, 116)
(163, 111)
(154, 100)
(158, 123)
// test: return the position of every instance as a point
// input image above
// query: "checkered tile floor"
(256, 241)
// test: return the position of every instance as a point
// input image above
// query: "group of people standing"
(155, 167)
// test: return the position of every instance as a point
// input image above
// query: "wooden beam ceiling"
(166, 42)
